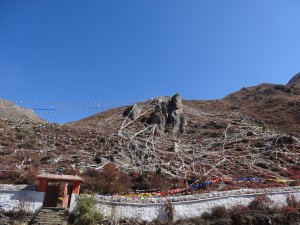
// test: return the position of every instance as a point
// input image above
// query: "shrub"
(206, 216)
(219, 212)
(86, 212)
(18, 216)
(294, 183)
(260, 202)
(292, 201)
(108, 181)
(239, 208)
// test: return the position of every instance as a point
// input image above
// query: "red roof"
(57, 177)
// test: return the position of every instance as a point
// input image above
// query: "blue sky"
(128, 50)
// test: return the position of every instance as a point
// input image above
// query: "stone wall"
(20, 197)
(184, 209)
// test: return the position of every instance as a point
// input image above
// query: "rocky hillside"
(164, 142)
(10, 111)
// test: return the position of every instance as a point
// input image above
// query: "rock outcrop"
(295, 81)
(160, 116)
(133, 111)
(170, 113)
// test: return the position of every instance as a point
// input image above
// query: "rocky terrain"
(12, 112)
(165, 142)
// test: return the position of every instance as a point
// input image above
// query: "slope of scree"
(164, 142)
(10, 111)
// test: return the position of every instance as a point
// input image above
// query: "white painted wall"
(14, 197)
(30, 201)
(188, 209)
(141, 212)
(184, 210)
(18, 197)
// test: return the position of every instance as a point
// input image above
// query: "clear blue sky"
(127, 50)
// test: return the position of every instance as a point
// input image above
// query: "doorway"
(51, 197)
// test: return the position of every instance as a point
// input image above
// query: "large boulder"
(175, 103)
(159, 116)
(295, 80)
(170, 112)
(294, 83)
(175, 117)
(133, 111)
(175, 121)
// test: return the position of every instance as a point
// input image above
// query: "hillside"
(165, 142)
(10, 111)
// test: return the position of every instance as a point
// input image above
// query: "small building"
(60, 190)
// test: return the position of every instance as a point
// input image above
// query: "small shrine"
(60, 190)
